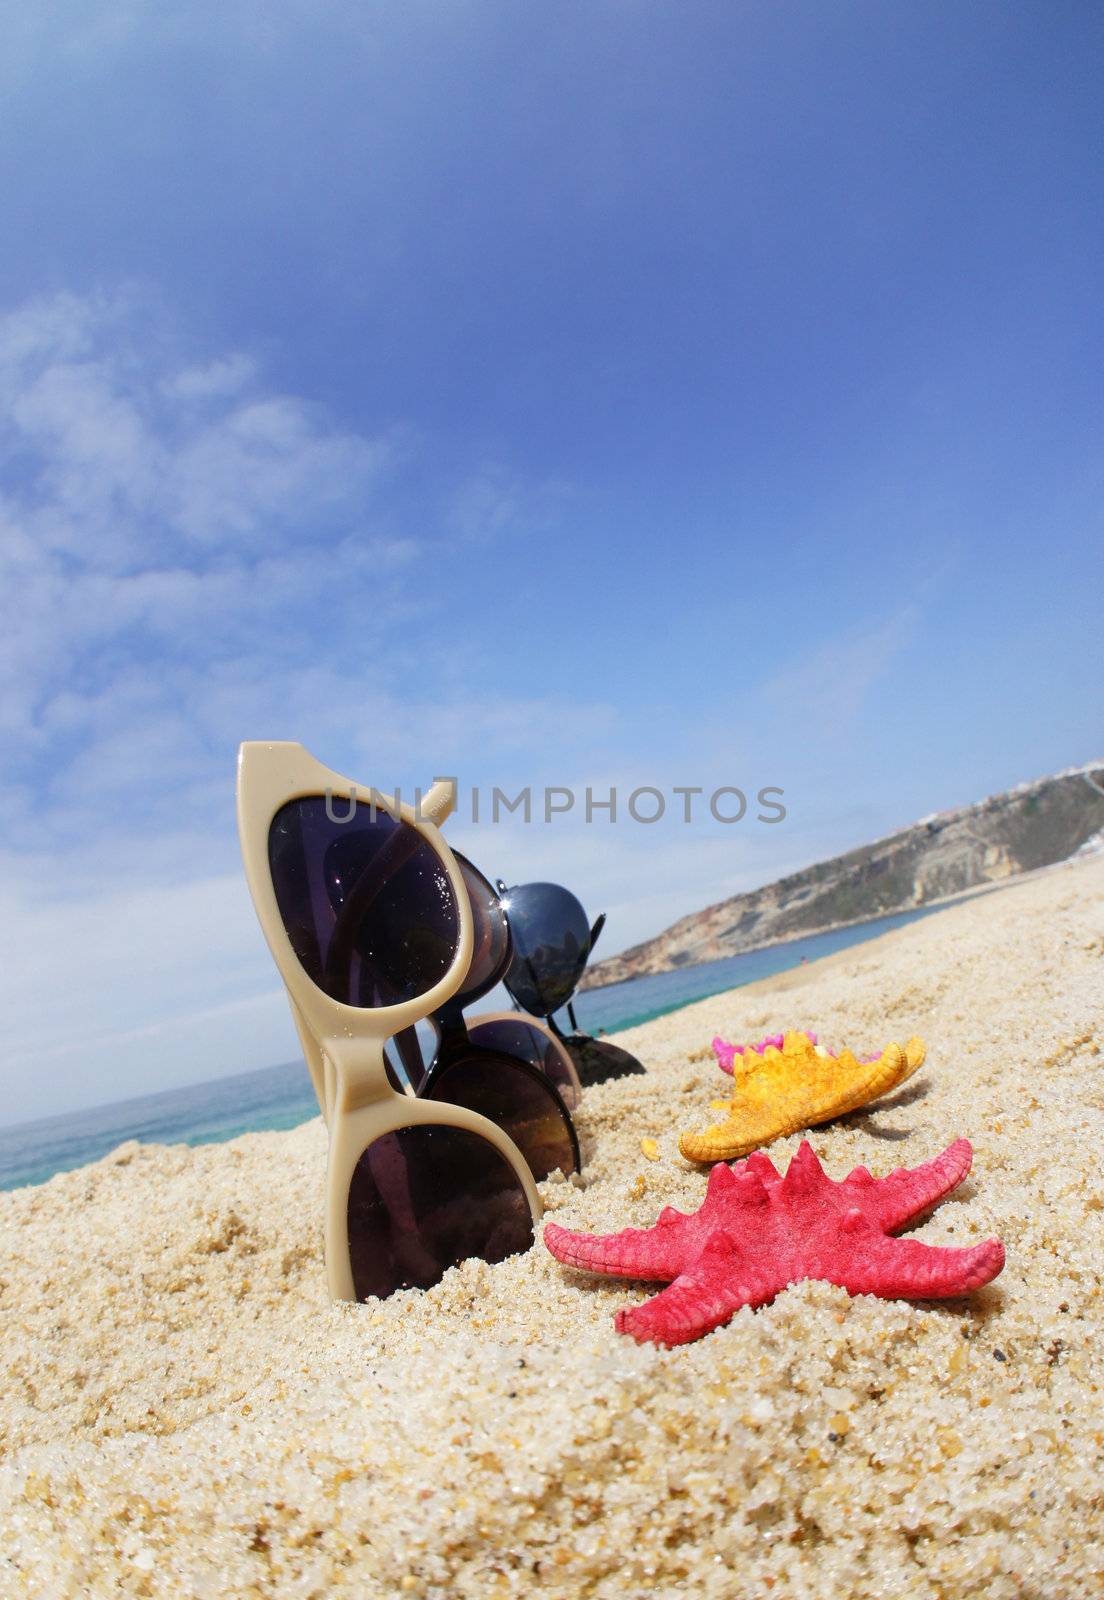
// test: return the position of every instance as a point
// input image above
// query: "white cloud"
(192, 558)
(226, 376)
(494, 501)
(159, 511)
(83, 36)
(822, 694)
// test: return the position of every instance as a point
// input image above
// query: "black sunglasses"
(508, 1071)
(552, 942)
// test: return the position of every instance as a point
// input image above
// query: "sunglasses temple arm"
(599, 924)
(409, 1050)
(440, 802)
(535, 981)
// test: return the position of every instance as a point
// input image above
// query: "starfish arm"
(908, 1192)
(860, 1082)
(723, 1279)
(657, 1253)
(915, 1053)
(764, 1107)
(722, 1142)
(726, 1054)
(866, 1261)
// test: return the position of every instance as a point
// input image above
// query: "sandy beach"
(183, 1412)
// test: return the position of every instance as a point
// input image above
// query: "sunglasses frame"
(548, 1017)
(459, 1018)
(538, 1025)
(343, 1044)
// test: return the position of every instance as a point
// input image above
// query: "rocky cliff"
(1031, 826)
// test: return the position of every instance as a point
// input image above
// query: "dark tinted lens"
(516, 1097)
(424, 1199)
(527, 1043)
(595, 1061)
(366, 902)
(491, 941)
(551, 943)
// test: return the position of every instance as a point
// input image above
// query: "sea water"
(282, 1096)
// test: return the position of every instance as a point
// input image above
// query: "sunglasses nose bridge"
(360, 1075)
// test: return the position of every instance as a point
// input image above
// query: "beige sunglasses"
(365, 912)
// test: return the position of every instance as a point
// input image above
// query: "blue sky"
(607, 393)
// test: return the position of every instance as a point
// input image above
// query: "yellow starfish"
(782, 1091)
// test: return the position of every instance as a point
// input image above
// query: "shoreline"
(940, 903)
(792, 977)
(141, 1112)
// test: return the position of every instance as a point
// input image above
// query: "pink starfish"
(757, 1232)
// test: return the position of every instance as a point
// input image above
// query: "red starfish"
(757, 1232)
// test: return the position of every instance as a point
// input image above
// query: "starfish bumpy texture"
(726, 1053)
(780, 1091)
(757, 1232)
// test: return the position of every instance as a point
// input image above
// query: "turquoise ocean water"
(282, 1097)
